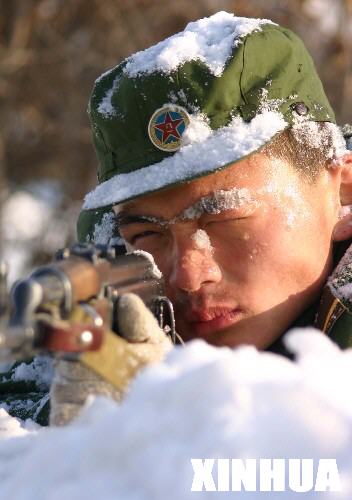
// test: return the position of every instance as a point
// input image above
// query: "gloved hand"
(73, 382)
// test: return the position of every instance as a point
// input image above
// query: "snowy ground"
(203, 402)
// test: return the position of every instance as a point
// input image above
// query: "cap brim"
(218, 150)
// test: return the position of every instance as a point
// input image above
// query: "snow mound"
(202, 402)
(10, 427)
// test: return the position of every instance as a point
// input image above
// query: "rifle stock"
(70, 307)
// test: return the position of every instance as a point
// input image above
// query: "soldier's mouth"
(209, 321)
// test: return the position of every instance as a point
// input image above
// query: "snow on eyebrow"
(215, 203)
(210, 40)
(218, 202)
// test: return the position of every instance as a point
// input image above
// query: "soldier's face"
(243, 252)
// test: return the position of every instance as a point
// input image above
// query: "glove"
(73, 382)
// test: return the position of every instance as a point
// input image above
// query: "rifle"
(69, 308)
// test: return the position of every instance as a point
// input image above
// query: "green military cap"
(196, 103)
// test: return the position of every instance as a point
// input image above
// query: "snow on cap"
(196, 103)
(210, 40)
(219, 148)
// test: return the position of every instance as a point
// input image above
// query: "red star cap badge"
(166, 127)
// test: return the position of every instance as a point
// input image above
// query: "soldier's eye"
(143, 235)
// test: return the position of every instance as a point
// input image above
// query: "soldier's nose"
(193, 268)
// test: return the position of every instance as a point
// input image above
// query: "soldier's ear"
(346, 180)
(343, 227)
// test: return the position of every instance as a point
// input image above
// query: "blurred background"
(51, 51)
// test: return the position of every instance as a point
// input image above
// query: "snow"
(310, 134)
(221, 201)
(40, 370)
(345, 291)
(106, 107)
(202, 240)
(154, 268)
(10, 427)
(179, 96)
(339, 281)
(204, 155)
(105, 232)
(210, 40)
(343, 263)
(202, 402)
(198, 129)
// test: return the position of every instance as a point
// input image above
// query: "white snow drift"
(203, 402)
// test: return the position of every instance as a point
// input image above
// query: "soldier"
(220, 156)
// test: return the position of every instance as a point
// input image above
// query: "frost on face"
(202, 240)
(291, 217)
(288, 199)
(219, 201)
